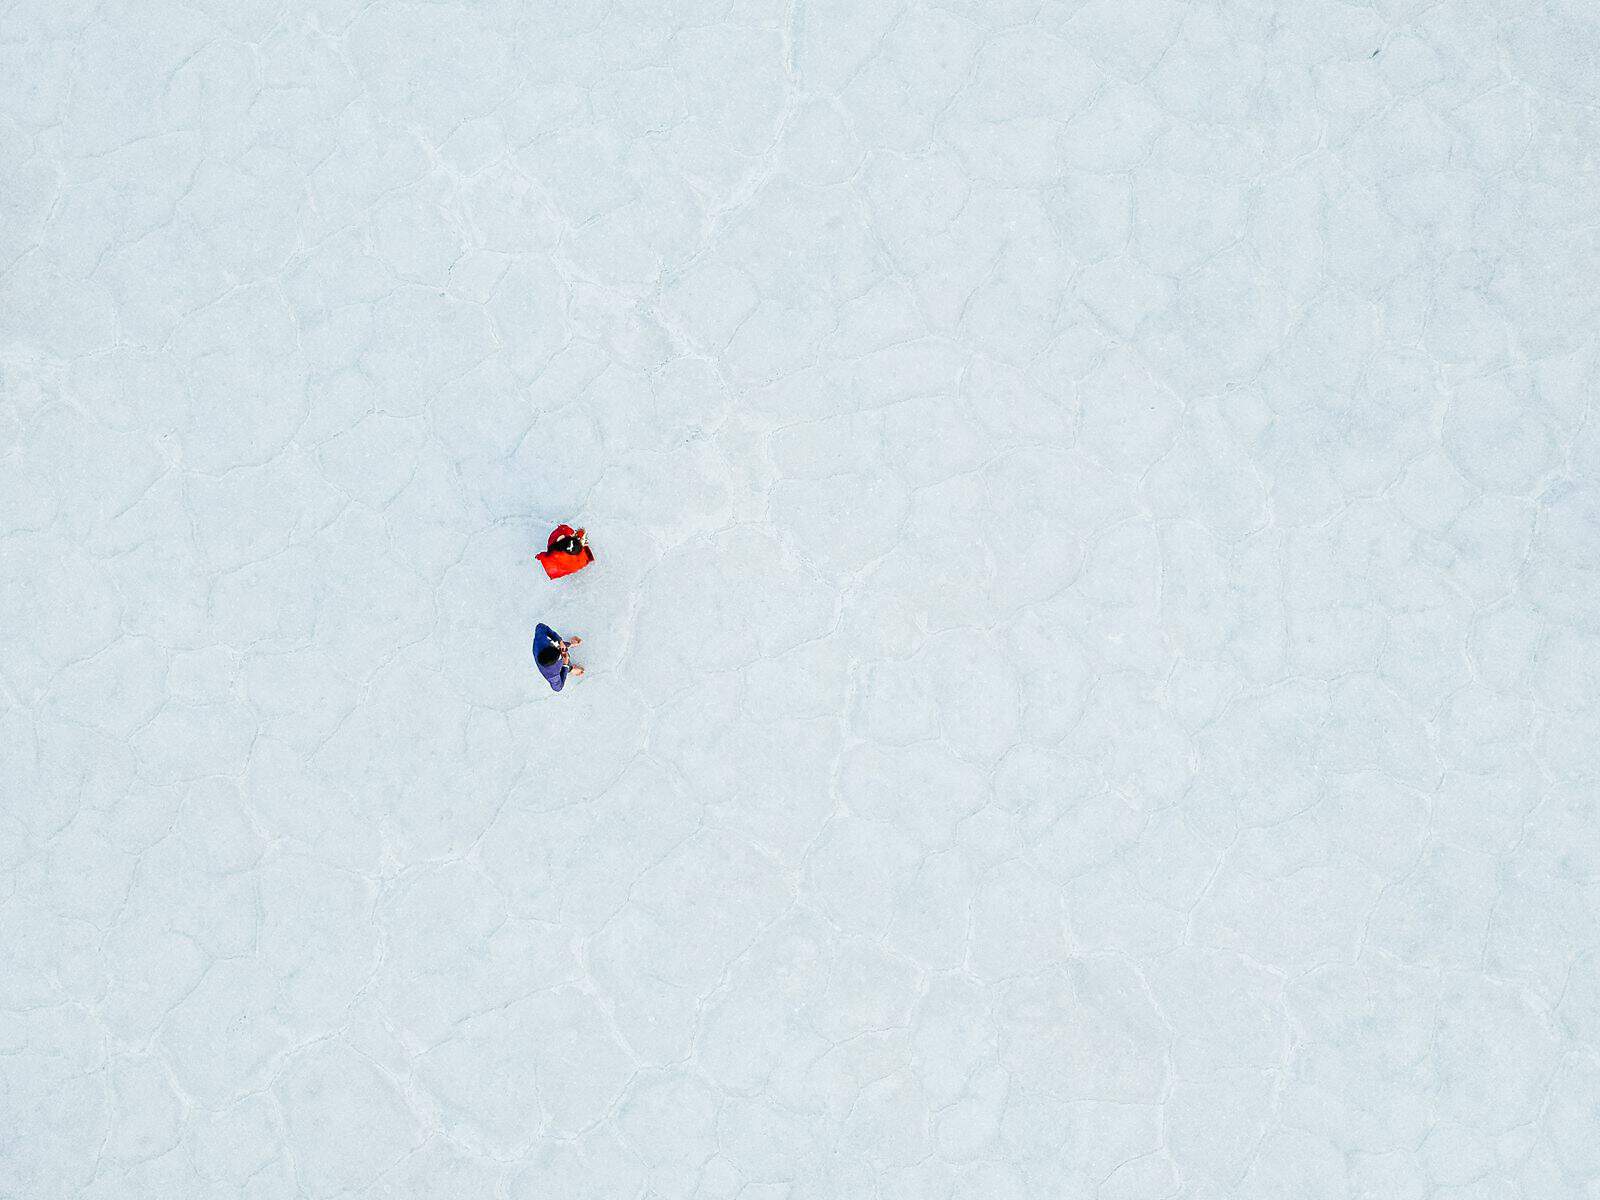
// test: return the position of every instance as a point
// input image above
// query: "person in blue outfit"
(553, 654)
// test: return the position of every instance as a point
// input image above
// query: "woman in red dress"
(567, 551)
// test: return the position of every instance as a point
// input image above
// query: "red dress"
(557, 563)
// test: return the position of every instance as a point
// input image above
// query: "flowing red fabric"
(557, 563)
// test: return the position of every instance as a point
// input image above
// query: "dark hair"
(549, 656)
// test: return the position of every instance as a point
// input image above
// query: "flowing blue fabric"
(556, 673)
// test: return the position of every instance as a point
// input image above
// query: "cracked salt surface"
(1091, 660)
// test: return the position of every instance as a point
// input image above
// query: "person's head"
(549, 655)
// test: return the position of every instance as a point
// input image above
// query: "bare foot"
(577, 671)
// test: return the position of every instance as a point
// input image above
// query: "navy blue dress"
(556, 673)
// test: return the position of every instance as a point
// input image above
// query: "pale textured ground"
(1093, 651)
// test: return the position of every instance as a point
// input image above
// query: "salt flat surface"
(1092, 656)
